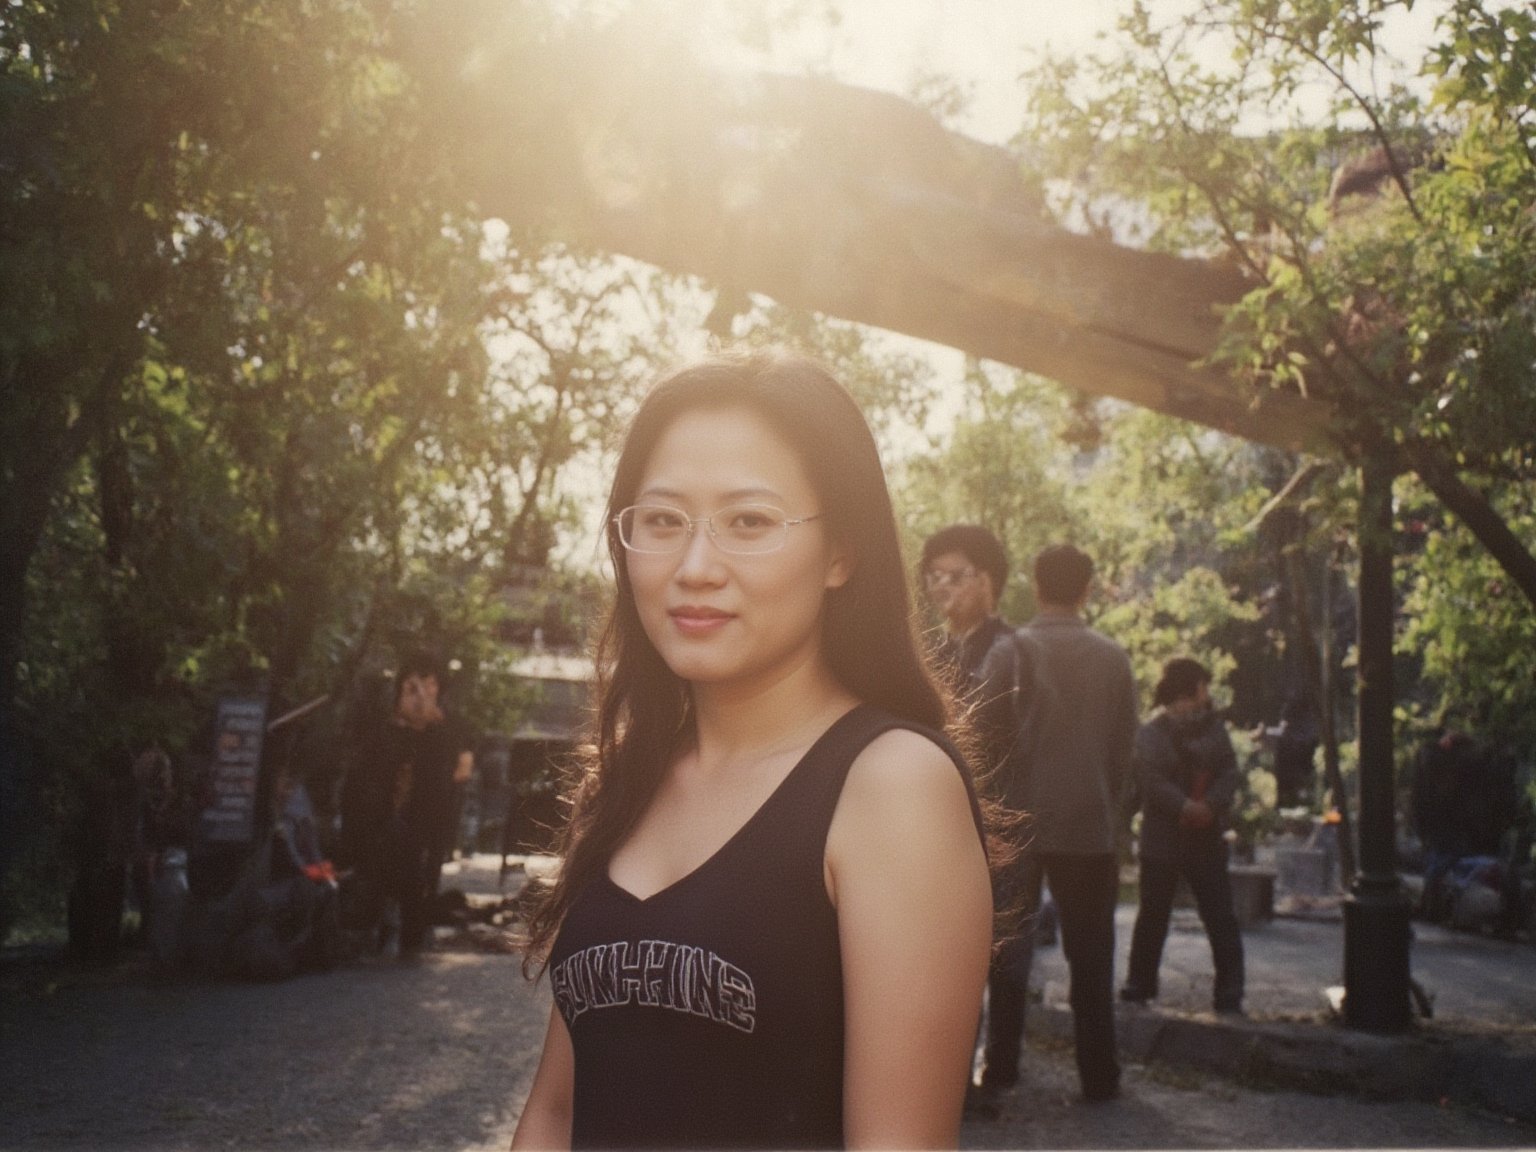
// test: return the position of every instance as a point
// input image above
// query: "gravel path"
(1163, 1107)
(439, 1054)
(436, 1054)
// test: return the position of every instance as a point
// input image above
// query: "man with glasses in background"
(964, 569)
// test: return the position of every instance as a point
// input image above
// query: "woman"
(1187, 774)
(773, 920)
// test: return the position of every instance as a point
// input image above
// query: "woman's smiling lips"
(693, 620)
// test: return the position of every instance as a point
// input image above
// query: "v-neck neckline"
(771, 801)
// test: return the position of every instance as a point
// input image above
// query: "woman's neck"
(734, 723)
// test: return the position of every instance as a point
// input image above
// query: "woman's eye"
(751, 520)
(661, 520)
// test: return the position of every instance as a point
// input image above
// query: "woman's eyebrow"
(739, 494)
(734, 496)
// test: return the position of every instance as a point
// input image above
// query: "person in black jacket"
(1187, 775)
(964, 569)
(398, 802)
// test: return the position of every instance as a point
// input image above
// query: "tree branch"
(1476, 512)
(1378, 129)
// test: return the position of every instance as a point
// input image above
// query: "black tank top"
(711, 1014)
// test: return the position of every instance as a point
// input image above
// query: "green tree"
(1382, 209)
(574, 337)
(1469, 632)
(894, 387)
(232, 313)
(1002, 465)
(264, 414)
(114, 113)
(1159, 504)
(1384, 221)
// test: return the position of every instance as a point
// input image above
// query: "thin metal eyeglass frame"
(709, 523)
(941, 579)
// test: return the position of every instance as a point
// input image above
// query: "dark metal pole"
(1376, 913)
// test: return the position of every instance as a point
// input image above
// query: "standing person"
(1073, 793)
(965, 567)
(1187, 776)
(772, 922)
(1295, 739)
(399, 799)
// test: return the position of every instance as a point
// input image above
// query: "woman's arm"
(546, 1118)
(907, 873)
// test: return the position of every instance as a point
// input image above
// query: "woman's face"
(716, 617)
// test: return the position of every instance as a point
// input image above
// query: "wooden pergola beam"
(853, 203)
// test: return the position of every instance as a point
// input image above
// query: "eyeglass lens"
(740, 528)
(943, 578)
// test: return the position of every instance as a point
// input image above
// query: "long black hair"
(869, 632)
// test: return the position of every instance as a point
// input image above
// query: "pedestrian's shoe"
(1132, 994)
(981, 1103)
(1227, 997)
(1101, 1093)
(997, 1081)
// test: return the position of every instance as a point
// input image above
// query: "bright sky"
(982, 44)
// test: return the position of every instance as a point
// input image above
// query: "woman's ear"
(840, 568)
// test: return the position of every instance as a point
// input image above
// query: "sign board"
(229, 808)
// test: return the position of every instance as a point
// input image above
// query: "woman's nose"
(700, 559)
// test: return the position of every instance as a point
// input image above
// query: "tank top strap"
(817, 790)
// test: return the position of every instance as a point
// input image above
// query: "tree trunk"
(12, 769)
(25, 501)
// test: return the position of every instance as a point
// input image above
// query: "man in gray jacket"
(1073, 792)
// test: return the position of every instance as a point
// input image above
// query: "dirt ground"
(373, 1055)
(438, 1053)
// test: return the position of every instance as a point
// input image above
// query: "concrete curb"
(1487, 1072)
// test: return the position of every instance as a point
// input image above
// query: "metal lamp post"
(1376, 912)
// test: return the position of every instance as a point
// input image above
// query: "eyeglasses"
(941, 578)
(740, 529)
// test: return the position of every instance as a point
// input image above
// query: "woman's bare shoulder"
(902, 775)
(902, 753)
(905, 804)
